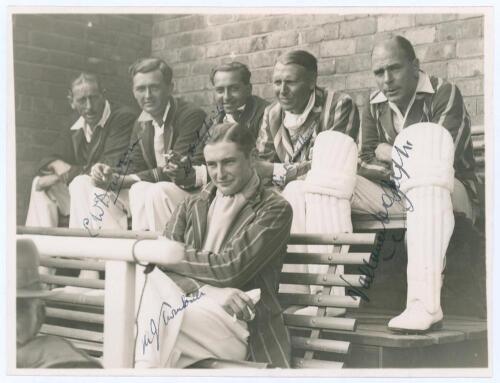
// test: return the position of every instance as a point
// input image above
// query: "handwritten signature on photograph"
(392, 195)
(166, 314)
(112, 191)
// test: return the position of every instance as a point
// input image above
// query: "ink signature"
(167, 313)
(115, 185)
(202, 135)
(392, 194)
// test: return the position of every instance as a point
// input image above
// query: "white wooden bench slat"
(82, 316)
(329, 323)
(72, 281)
(72, 333)
(320, 300)
(327, 258)
(353, 280)
(327, 345)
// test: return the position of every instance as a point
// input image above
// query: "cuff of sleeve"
(279, 174)
(201, 175)
(135, 177)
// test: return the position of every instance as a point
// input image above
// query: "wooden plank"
(315, 363)
(73, 333)
(320, 300)
(326, 345)
(379, 338)
(352, 280)
(71, 281)
(332, 239)
(73, 315)
(71, 263)
(77, 299)
(327, 258)
(309, 321)
(477, 129)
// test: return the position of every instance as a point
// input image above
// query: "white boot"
(424, 164)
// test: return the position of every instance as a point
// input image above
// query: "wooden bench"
(80, 317)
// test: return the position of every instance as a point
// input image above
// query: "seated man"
(288, 133)
(234, 98)
(300, 112)
(417, 158)
(234, 103)
(143, 186)
(232, 237)
(39, 351)
(101, 134)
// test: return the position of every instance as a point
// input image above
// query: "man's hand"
(264, 169)
(384, 152)
(101, 175)
(59, 167)
(233, 301)
(180, 170)
(45, 182)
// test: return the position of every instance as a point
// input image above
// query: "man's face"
(292, 86)
(88, 101)
(229, 168)
(151, 92)
(230, 91)
(396, 76)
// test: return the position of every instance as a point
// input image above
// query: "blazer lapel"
(168, 128)
(96, 143)
(77, 139)
(249, 111)
(415, 114)
(386, 122)
(199, 221)
(147, 143)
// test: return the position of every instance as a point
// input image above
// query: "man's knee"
(161, 190)
(294, 188)
(79, 183)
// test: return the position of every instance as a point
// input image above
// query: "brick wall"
(49, 50)
(448, 45)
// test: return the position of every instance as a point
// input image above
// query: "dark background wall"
(50, 50)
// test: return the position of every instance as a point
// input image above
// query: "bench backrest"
(79, 316)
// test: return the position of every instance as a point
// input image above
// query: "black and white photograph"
(245, 191)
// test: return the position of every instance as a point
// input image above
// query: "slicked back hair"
(84, 77)
(302, 58)
(150, 64)
(232, 132)
(234, 66)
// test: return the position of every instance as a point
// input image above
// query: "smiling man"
(300, 112)
(234, 99)
(288, 136)
(148, 191)
(232, 238)
(101, 134)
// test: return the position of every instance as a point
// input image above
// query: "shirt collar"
(81, 124)
(423, 86)
(145, 116)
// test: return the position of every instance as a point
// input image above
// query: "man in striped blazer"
(416, 158)
(292, 122)
(231, 240)
(290, 130)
